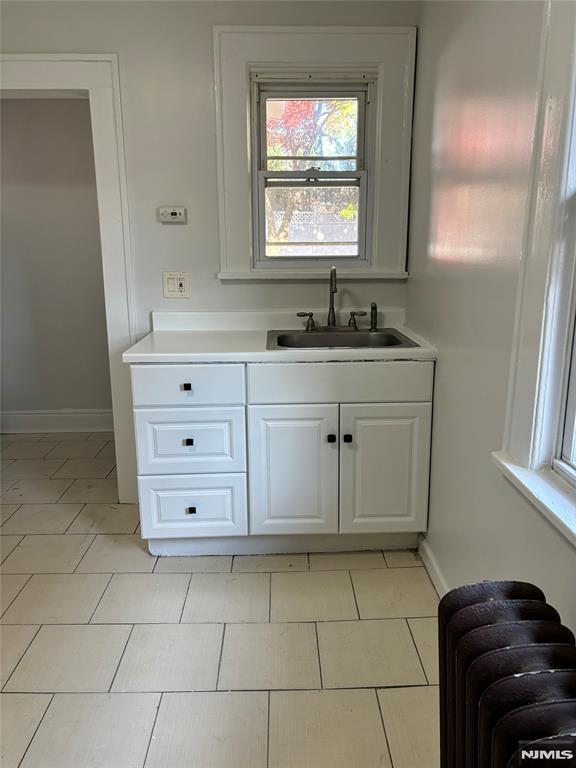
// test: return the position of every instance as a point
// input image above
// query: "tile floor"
(274, 661)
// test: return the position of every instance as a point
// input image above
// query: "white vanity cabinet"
(348, 466)
(190, 424)
(323, 447)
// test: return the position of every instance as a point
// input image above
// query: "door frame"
(98, 75)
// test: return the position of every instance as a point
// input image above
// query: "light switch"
(176, 285)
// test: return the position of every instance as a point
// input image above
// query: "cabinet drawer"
(184, 440)
(188, 385)
(193, 505)
(404, 381)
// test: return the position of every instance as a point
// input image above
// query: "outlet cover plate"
(176, 285)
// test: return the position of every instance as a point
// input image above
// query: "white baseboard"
(431, 564)
(65, 420)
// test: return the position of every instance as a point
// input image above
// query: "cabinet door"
(293, 468)
(384, 467)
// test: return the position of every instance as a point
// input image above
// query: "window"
(566, 461)
(313, 140)
(539, 451)
(310, 171)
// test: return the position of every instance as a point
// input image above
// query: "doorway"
(55, 369)
(93, 79)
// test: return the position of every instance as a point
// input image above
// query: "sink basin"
(341, 338)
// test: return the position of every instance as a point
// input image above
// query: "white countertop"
(249, 346)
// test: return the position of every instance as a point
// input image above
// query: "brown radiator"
(507, 679)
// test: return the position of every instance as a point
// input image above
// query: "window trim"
(387, 51)
(284, 83)
(545, 302)
(568, 418)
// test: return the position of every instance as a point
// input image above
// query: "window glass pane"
(312, 128)
(311, 221)
(569, 446)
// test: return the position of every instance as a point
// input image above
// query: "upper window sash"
(263, 92)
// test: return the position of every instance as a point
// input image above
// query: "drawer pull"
(331, 438)
(190, 510)
(187, 387)
(347, 438)
(189, 441)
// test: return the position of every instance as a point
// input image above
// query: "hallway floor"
(112, 658)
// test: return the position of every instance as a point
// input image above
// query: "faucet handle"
(353, 315)
(310, 325)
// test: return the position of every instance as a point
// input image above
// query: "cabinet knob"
(190, 510)
(189, 441)
(187, 387)
(331, 438)
(347, 438)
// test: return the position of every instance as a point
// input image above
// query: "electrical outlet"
(176, 285)
(172, 214)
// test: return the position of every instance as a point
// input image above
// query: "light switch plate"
(172, 214)
(176, 285)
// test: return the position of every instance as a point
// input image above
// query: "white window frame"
(342, 54)
(545, 307)
(565, 466)
(285, 85)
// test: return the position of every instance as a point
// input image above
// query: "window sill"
(546, 490)
(287, 274)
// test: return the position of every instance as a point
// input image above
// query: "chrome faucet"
(331, 321)
(373, 316)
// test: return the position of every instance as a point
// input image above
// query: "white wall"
(54, 343)
(475, 109)
(167, 85)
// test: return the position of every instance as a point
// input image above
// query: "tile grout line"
(384, 558)
(270, 599)
(268, 734)
(417, 651)
(88, 548)
(220, 657)
(4, 559)
(152, 729)
(354, 593)
(100, 599)
(121, 656)
(18, 506)
(185, 596)
(72, 481)
(19, 591)
(83, 504)
(384, 728)
(36, 729)
(24, 652)
(318, 652)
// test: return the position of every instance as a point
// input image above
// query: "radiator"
(507, 679)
